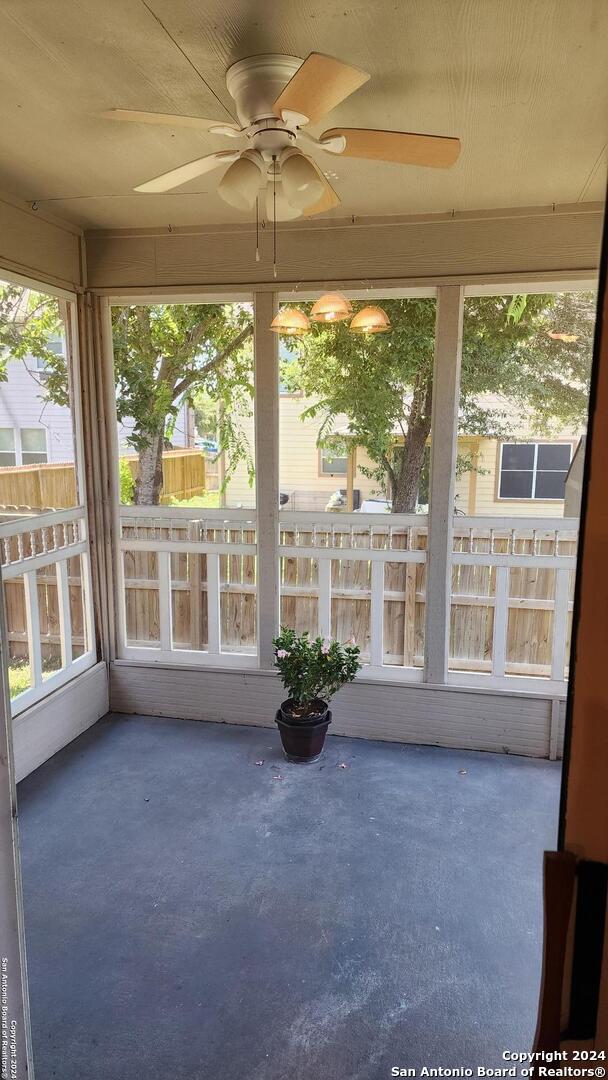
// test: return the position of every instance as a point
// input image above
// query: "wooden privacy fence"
(183, 473)
(53, 486)
(39, 486)
(189, 587)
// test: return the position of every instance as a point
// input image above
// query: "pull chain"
(274, 217)
(257, 229)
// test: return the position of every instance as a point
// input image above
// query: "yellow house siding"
(299, 463)
(475, 492)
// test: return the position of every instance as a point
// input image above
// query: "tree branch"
(195, 376)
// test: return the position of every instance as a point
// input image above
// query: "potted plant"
(312, 671)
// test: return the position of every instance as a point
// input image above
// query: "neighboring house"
(34, 431)
(524, 475)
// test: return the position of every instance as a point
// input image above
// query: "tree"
(167, 353)
(164, 354)
(383, 384)
(29, 322)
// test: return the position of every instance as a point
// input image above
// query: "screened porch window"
(533, 470)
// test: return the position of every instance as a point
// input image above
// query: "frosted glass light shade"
(331, 307)
(240, 183)
(370, 320)
(284, 210)
(302, 185)
(291, 322)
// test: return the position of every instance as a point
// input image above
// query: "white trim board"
(538, 244)
(51, 724)
(446, 716)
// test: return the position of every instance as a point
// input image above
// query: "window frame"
(44, 431)
(536, 443)
(332, 475)
(14, 450)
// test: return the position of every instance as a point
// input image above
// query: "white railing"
(188, 590)
(170, 552)
(529, 566)
(360, 569)
(37, 551)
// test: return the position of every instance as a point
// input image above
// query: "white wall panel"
(41, 731)
(504, 723)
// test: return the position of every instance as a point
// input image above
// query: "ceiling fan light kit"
(302, 185)
(331, 307)
(240, 183)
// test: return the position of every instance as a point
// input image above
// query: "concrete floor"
(189, 915)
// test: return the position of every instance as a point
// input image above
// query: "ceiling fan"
(276, 97)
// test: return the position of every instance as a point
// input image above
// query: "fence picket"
(65, 618)
(213, 603)
(32, 620)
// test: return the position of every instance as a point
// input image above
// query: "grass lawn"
(208, 499)
(18, 677)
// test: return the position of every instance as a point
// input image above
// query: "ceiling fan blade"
(134, 116)
(320, 84)
(436, 151)
(329, 199)
(176, 177)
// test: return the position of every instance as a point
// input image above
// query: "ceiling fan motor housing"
(256, 82)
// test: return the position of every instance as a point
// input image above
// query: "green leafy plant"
(126, 482)
(313, 669)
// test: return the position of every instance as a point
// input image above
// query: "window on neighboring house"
(332, 464)
(533, 470)
(7, 447)
(33, 446)
(55, 345)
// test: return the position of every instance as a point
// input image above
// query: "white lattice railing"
(188, 590)
(365, 573)
(181, 575)
(47, 584)
(520, 572)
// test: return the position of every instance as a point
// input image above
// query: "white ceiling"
(522, 82)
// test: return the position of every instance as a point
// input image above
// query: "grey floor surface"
(191, 913)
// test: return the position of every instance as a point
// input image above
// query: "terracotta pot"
(302, 738)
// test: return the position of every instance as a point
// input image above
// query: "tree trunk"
(407, 481)
(408, 469)
(148, 485)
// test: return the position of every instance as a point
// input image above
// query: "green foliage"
(126, 482)
(165, 353)
(516, 308)
(29, 321)
(383, 383)
(316, 668)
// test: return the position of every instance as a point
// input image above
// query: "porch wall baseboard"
(51, 724)
(452, 717)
